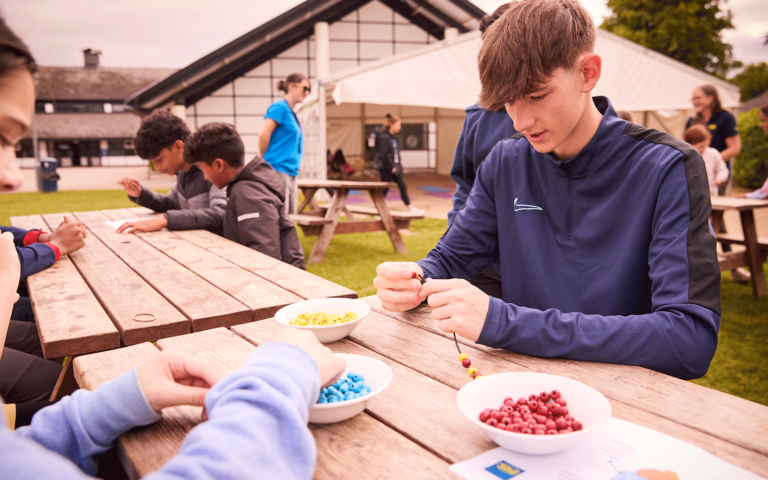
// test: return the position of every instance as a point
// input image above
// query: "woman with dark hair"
(26, 379)
(387, 160)
(281, 142)
(725, 139)
(721, 124)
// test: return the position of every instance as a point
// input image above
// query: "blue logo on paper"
(504, 470)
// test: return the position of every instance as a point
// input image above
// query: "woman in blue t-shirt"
(725, 139)
(280, 140)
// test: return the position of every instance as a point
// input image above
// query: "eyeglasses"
(306, 88)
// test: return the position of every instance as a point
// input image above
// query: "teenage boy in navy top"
(600, 224)
(255, 216)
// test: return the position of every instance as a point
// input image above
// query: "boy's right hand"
(331, 367)
(131, 186)
(69, 236)
(396, 288)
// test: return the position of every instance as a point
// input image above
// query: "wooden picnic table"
(414, 429)
(127, 289)
(756, 249)
(323, 221)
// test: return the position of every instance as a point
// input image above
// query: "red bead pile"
(542, 414)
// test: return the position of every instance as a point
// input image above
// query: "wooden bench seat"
(729, 238)
(309, 220)
(370, 210)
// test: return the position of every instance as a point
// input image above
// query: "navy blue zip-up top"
(482, 130)
(604, 257)
(33, 257)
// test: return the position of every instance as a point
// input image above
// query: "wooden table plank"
(123, 294)
(731, 203)
(671, 399)
(204, 304)
(352, 185)
(753, 254)
(343, 447)
(264, 298)
(297, 281)
(410, 402)
(154, 444)
(70, 319)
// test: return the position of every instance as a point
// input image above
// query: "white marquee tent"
(443, 79)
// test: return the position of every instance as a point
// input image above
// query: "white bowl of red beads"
(363, 379)
(350, 313)
(517, 411)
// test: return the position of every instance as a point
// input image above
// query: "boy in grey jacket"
(193, 202)
(255, 193)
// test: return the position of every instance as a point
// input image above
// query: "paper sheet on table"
(619, 451)
(117, 223)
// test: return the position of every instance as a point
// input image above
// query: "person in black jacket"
(255, 216)
(387, 160)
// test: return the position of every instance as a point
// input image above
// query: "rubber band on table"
(154, 317)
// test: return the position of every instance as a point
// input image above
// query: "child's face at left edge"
(17, 102)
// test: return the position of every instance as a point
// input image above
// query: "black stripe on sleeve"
(703, 267)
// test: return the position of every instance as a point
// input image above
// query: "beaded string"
(465, 362)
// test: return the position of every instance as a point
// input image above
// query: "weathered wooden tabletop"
(414, 429)
(126, 289)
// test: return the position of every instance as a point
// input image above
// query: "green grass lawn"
(739, 366)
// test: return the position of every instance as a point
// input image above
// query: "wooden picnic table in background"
(126, 289)
(756, 248)
(414, 428)
(323, 220)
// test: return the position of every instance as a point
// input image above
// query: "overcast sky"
(174, 33)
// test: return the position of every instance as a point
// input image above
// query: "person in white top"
(717, 172)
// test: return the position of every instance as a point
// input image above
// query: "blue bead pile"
(348, 388)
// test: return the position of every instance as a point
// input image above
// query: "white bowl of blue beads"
(344, 307)
(363, 379)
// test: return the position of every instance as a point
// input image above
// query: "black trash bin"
(48, 178)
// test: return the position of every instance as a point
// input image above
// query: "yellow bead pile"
(318, 319)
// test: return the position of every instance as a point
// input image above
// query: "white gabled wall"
(370, 33)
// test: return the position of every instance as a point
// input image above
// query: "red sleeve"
(31, 237)
(55, 250)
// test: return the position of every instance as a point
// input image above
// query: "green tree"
(752, 81)
(688, 31)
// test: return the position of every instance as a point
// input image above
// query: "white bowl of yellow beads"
(330, 319)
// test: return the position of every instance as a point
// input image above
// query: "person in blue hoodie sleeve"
(600, 224)
(256, 423)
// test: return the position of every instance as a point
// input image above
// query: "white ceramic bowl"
(375, 373)
(585, 404)
(325, 333)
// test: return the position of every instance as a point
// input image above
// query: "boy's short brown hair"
(697, 134)
(527, 43)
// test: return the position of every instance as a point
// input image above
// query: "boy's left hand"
(151, 225)
(459, 306)
(172, 379)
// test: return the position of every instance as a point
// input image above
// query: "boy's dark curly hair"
(159, 130)
(215, 140)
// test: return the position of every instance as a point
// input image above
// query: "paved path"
(99, 178)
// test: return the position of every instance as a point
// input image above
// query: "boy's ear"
(591, 66)
(219, 165)
(178, 147)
